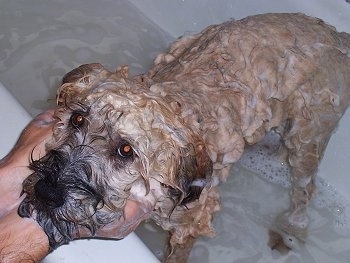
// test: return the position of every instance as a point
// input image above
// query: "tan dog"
(160, 141)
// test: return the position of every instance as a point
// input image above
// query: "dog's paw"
(282, 242)
(276, 242)
(294, 223)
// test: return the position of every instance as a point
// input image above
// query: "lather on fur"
(164, 138)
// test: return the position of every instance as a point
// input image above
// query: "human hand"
(14, 166)
(22, 239)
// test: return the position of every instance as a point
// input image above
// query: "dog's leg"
(306, 144)
(292, 224)
(192, 221)
(304, 167)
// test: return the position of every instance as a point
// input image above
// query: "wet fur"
(187, 120)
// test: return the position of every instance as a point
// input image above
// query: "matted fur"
(187, 121)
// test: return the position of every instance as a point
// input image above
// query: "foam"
(328, 197)
(264, 160)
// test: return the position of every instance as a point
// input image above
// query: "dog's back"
(237, 80)
(291, 71)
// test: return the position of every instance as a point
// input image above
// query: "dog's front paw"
(282, 242)
(294, 223)
(292, 230)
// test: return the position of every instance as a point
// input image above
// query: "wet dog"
(155, 145)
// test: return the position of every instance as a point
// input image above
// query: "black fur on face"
(62, 198)
(69, 188)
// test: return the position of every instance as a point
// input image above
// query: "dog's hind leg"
(304, 164)
(305, 140)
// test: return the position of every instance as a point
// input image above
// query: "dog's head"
(114, 142)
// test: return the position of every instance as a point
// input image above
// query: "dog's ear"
(82, 74)
(194, 172)
(85, 78)
(77, 80)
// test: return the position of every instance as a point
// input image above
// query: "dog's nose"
(51, 195)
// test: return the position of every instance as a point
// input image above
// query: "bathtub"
(41, 40)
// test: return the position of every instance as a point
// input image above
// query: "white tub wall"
(179, 16)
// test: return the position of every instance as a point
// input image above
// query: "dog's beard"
(63, 196)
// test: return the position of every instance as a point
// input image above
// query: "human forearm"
(21, 240)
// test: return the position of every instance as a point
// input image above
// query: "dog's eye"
(77, 120)
(125, 150)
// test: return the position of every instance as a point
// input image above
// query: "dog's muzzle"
(62, 198)
(49, 193)
(45, 179)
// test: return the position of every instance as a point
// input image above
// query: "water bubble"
(338, 210)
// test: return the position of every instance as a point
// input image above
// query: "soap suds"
(264, 160)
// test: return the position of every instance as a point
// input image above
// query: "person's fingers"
(32, 140)
(44, 119)
(14, 167)
(134, 213)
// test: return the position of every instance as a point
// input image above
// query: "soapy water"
(263, 159)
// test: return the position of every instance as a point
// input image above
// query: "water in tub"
(41, 40)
